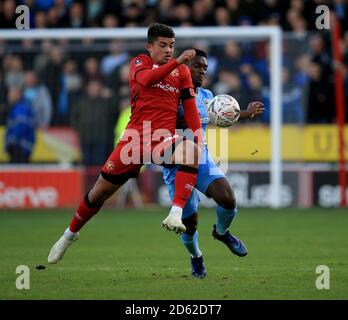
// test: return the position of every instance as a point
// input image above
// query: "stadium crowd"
(49, 82)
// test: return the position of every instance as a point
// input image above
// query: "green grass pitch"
(124, 254)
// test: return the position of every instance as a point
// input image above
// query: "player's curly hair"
(159, 30)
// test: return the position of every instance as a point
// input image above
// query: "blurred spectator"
(123, 92)
(133, 13)
(231, 60)
(40, 99)
(20, 128)
(202, 13)
(62, 9)
(28, 52)
(94, 10)
(295, 20)
(299, 26)
(40, 20)
(292, 108)
(272, 11)
(246, 69)
(115, 59)
(110, 21)
(273, 20)
(7, 16)
(254, 83)
(94, 118)
(71, 83)
(222, 16)
(77, 18)
(14, 76)
(301, 76)
(292, 16)
(111, 64)
(320, 54)
(321, 106)
(42, 58)
(244, 12)
(181, 14)
(297, 5)
(86, 49)
(92, 71)
(293, 111)
(51, 75)
(53, 18)
(164, 9)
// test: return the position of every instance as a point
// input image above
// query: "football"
(223, 110)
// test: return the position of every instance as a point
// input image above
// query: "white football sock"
(176, 211)
(69, 234)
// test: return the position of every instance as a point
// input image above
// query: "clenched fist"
(186, 56)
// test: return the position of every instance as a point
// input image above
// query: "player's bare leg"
(187, 155)
(90, 205)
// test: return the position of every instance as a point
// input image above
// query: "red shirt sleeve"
(148, 77)
(191, 114)
(186, 79)
(142, 71)
(140, 62)
(193, 119)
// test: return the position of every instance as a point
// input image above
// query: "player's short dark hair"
(159, 30)
(200, 53)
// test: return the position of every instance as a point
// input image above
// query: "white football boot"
(59, 248)
(173, 221)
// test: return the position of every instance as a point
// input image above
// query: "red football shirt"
(159, 102)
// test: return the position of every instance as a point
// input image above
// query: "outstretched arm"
(254, 108)
(147, 77)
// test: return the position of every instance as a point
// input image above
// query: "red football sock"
(84, 212)
(185, 181)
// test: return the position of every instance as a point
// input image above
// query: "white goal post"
(273, 34)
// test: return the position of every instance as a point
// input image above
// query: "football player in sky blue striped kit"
(210, 180)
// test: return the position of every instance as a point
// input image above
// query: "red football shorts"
(128, 157)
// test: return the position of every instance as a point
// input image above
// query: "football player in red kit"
(157, 82)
